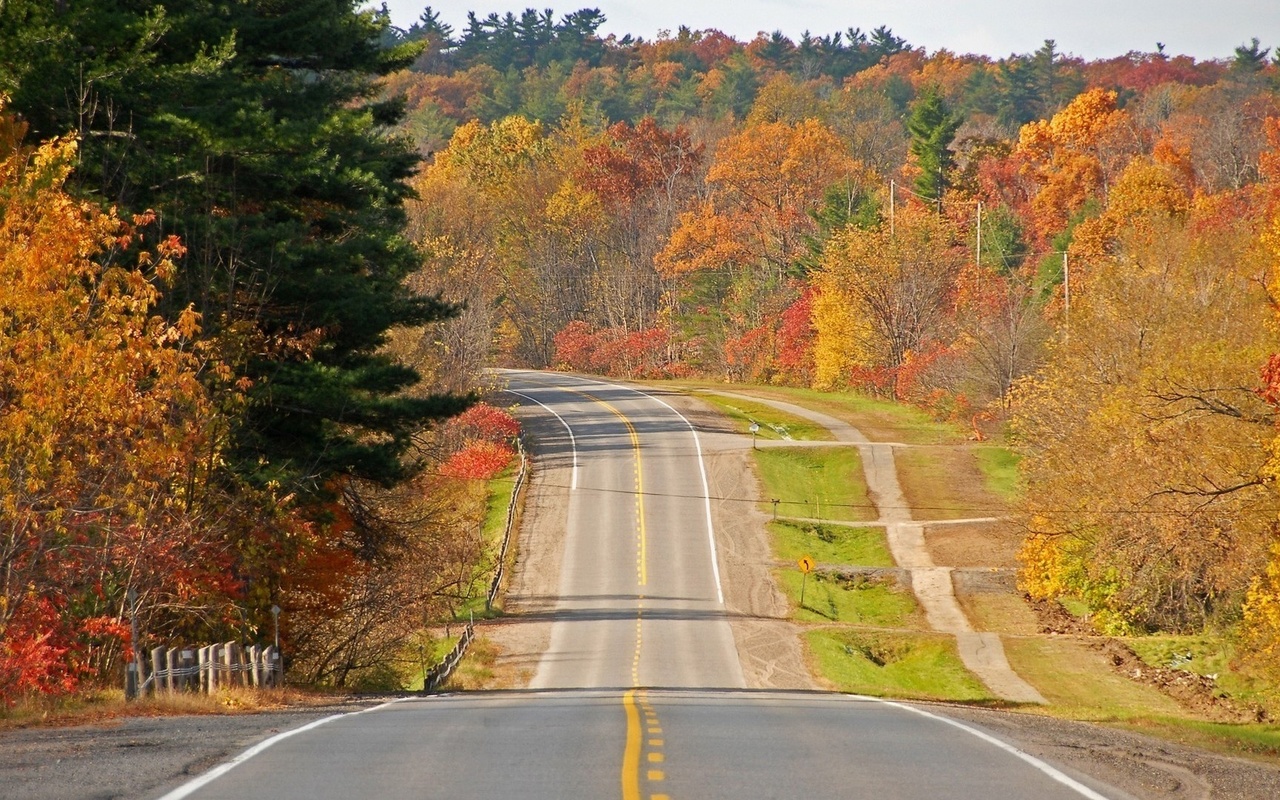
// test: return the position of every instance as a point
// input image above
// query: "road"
(640, 694)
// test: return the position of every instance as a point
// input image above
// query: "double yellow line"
(642, 739)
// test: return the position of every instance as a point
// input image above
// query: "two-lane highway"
(640, 601)
(639, 694)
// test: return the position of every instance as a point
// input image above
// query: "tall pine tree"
(252, 128)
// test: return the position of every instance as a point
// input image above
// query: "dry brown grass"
(109, 704)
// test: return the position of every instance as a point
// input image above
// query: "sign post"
(806, 566)
(755, 428)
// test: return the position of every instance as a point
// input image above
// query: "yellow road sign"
(807, 564)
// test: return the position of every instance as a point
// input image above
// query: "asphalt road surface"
(640, 694)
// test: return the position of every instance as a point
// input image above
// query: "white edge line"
(199, 782)
(573, 443)
(702, 468)
(1047, 769)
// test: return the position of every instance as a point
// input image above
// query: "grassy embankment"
(476, 667)
(865, 631)
(945, 477)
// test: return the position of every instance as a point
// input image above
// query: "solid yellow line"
(631, 754)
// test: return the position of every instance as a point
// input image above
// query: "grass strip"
(923, 666)
(831, 544)
(774, 424)
(816, 483)
(855, 599)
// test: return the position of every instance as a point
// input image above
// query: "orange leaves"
(764, 182)
(1071, 155)
(704, 240)
(104, 421)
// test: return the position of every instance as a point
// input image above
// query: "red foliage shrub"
(478, 461)
(486, 422)
(614, 352)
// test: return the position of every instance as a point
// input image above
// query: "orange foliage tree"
(106, 435)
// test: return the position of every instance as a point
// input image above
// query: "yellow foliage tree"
(1144, 440)
(885, 294)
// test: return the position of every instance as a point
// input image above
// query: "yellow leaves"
(99, 404)
(1146, 189)
(842, 334)
(572, 210)
(490, 156)
(1262, 611)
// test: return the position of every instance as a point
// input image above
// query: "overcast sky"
(1088, 28)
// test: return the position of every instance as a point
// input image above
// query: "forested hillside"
(255, 256)
(1084, 252)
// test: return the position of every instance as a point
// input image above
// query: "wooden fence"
(437, 675)
(496, 584)
(210, 668)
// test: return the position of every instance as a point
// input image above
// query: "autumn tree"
(107, 437)
(1073, 156)
(1144, 438)
(885, 295)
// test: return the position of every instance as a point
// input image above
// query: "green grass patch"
(854, 599)
(1207, 654)
(881, 420)
(831, 544)
(999, 466)
(1080, 683)
(816, 482)
(774, 424)
(499, 498)
(881, 663)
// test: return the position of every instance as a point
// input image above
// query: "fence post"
(188, 659)
(171, 666)
(228, 668)
(157, 669)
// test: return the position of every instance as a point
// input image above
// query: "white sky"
(1088, 28)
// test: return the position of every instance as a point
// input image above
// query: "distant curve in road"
(640, 694)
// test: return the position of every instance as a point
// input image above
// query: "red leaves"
(478, 461)
(613, 351)
(483, 421)
(485, 433)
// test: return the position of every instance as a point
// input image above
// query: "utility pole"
(893, 193)
(978, 259)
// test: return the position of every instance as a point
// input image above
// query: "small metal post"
(775, 509)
